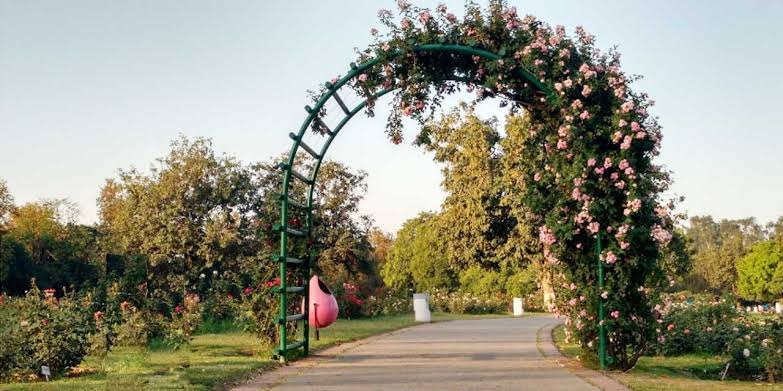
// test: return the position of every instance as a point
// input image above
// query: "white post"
(779, 308)
(519, 308)
(421, 307)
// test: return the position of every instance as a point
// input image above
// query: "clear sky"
(87, 87)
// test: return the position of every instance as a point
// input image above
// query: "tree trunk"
(548, 291)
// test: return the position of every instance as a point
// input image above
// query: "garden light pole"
(601, 315)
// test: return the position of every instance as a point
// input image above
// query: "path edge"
(546, 346)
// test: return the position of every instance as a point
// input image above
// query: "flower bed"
(753, 342)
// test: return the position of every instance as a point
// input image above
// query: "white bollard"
(519, 308)
(421, 307)
(779, 308)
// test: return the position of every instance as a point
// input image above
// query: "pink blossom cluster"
(661, 235)
(632, 206)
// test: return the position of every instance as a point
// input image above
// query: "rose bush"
(185, 319)
(388, 301)
(42, 329)
(704, 324)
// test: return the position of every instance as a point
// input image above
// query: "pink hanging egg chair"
(323, 304)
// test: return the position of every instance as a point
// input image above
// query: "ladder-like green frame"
(289, 173)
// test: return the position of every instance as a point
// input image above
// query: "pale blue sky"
(87, 87)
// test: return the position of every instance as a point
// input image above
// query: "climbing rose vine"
(589, 151)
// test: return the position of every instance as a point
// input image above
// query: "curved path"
(487, 354)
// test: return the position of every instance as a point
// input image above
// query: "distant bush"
(466, 303)
(387, 301)
(41, 329)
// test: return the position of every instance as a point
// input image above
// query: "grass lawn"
(211, 360)
(686, 372)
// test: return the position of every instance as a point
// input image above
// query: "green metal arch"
(289, 173)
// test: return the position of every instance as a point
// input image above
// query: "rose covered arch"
(588, 182)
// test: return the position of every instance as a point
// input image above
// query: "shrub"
(696, 325)
(465, 303)
(757, 349)
(699, 324)
(257, 311)
(389, 302)
(219, 306)
(184, 321)
(481, 282)
(134, 328)
(41, 329)
(348, 301)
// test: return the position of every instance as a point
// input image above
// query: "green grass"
(687, 372)
(218, 355)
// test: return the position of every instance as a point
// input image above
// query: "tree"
(760, 272)
(776, 229)
(474, 223)
(44, 242)
(195, 217)
(341, 233)
(717, 247)
(6, 204)
(381, 244)
(6, 207)
(417, 258)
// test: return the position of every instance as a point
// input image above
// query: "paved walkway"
(490, 354)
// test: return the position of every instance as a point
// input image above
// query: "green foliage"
(458, 302)
(705, 325)
(389, 302)
(524, 282)
(194, 214)
(416, 259)
(257, 310)
(696, 325)
(760, 272)
(135, 327)
(473, 222)
(481, 282)
(757, 350)
(184, 322)
(41, 241)
(6, 203)
(717, 247)
(41, 329)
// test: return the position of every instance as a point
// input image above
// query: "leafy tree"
(194, 216)
(6, 204)
(760, 272)
(381, 244)
(716, 248)
(341, 233)
(6, 207)
(776, 229)
(416, 259)
(474, 223)
(45, 243)
(481, 281)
